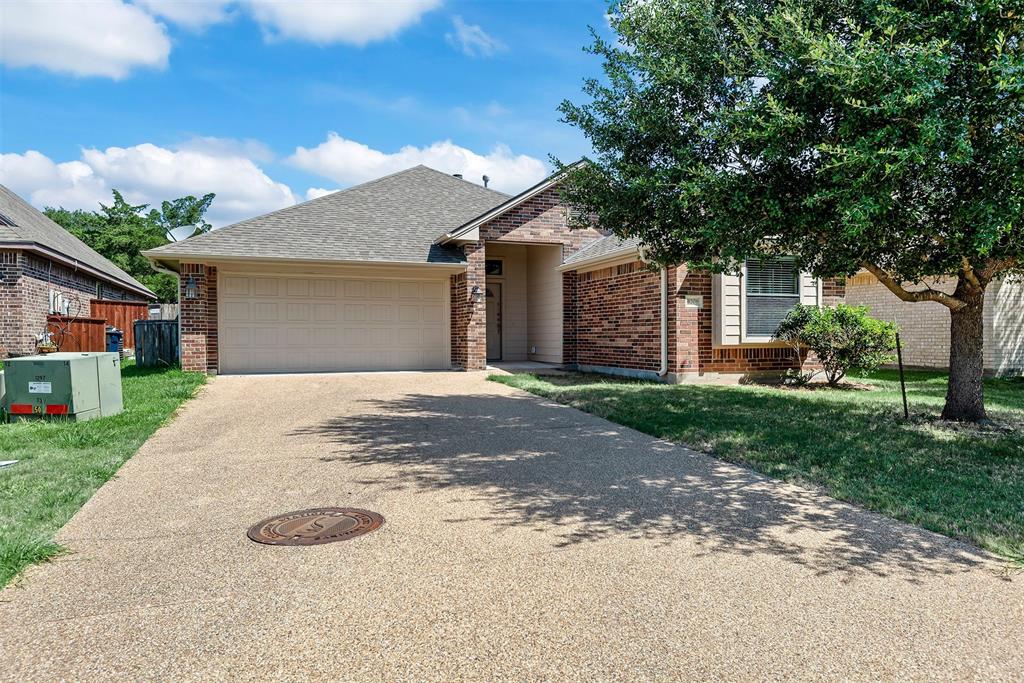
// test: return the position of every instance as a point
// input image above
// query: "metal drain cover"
(316, 526)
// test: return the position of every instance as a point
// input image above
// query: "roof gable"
(26, 227)
(393, 219)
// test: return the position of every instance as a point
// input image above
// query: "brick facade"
(26, 280)
(612, 319)
(199, 350)
(541, 219)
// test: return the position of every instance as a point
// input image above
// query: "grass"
(61, 464)
(963, 481)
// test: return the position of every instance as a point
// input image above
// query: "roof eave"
(173, 261)
(615, 255)
(79, 265)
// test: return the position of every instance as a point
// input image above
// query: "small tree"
(842, 338)
(872, 134)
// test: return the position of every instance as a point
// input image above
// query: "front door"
(493, 321)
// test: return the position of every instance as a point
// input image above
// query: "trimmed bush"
(842, 338)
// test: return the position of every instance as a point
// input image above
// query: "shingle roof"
(603, 247)
(391, 219)
(29, 226)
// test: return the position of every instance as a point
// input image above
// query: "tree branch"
(896, 288)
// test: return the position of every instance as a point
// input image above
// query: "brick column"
(469, 318)
(569, 318)
(199, 350)
(15, 333)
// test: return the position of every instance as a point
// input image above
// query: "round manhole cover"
(312, 527)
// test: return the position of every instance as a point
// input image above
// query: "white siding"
(544, 293)
(727, 309)
(810, 289)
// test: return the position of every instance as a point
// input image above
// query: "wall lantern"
(477, 294)
(191, 288)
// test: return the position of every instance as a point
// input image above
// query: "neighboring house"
(423, 270)
(46, 270)
(924, 326)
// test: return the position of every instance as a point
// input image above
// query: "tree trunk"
(965, 396)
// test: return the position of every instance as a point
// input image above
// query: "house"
(423, 270)
(46, 270)
(924, 326)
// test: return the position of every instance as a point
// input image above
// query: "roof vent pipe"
(486, 180)
(457, 175)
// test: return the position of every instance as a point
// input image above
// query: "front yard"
(61, 464)
(962, 481)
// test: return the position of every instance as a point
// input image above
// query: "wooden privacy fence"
(120, 314)
(78, 334)
(156, 343)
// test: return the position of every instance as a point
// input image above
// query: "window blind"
(772, 288)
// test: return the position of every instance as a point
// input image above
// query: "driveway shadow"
(555, 469)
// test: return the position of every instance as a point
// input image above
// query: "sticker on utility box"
(40, 388)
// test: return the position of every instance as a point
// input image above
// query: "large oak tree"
(851, 134)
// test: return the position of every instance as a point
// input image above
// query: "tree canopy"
(884, 135)
(122, 231)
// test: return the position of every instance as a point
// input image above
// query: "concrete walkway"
(523, 540)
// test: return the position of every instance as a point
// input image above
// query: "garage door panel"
(293, 324)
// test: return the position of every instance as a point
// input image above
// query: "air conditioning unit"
(71, 386)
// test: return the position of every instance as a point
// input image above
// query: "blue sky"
(267, 103)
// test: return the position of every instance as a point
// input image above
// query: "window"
(772, 289)
(492, 266)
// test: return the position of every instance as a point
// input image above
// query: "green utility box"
(74, 386)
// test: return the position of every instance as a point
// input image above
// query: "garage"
(293, 323)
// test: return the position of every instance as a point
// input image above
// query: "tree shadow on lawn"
(554, 469)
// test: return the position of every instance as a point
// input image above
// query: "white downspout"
(664, 323)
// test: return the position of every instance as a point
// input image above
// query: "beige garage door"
(288, 323)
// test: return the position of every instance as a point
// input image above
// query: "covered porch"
(523, 298)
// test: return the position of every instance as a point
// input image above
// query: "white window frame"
(744, 308)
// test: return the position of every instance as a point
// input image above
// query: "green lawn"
(61, 464)
(963, 481)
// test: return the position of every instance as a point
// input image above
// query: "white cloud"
(221, 147)
(96, 38)
(347, 162)
(191, 14)
(355, 23)
(317, 192)
(146, 174)
(472, 39)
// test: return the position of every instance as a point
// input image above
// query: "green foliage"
(841, 132)
(843, 338)
(121, 231)
(878, 134)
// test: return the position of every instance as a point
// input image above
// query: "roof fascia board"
(166, 260)
(623, 254)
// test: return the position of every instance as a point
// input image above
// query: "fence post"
(903, 381)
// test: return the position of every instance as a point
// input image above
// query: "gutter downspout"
(664, 323)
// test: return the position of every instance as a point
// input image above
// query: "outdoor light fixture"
(477, 294)
(191, 288)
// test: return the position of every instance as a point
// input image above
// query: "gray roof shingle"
(603, 247)
(392, 219)
(31, 226)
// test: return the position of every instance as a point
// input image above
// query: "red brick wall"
(469, 318)
(613, 317)
(198, 318)
(26, 280)
(541, 219)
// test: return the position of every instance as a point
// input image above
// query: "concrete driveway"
(524, 540)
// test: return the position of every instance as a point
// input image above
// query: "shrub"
(842, 338)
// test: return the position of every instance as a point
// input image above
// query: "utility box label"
(39, 388)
